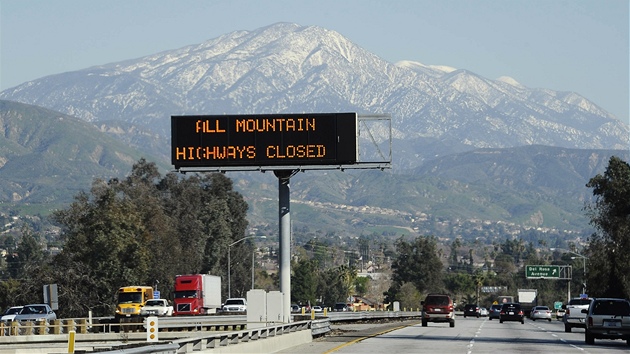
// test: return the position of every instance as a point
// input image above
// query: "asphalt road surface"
(470, 336)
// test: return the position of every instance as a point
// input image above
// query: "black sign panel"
(264, 140)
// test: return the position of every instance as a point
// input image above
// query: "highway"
(470, 336)
(351, 333)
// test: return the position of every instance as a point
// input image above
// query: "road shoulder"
(342, 335)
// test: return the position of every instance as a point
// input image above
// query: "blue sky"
(573, 45)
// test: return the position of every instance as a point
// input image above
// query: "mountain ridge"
(460, 141)
(288, 68)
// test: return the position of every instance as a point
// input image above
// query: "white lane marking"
(470, 345)
(561, 339)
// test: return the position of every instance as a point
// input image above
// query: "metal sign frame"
(373, 151)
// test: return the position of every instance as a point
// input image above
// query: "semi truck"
(197, 294)
(131, 299)
(528, 298)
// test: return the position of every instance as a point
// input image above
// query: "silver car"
(540, 313)
(36, 312)
(607, 318)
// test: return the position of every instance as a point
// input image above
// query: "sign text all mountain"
(263, 140)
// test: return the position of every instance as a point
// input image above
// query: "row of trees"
(312, 285)
(418, 269)
(146, 228)
(142, 230)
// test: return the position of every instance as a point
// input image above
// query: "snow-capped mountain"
(288, 68)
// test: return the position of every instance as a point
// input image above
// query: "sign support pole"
(284, 214)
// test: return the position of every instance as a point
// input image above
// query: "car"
(36, 312)
(317, 308)
(483, 312)
(540, 313)
(560, 314)
(295, 308)
(438, 308)
(9, 314)
(156, 307)
(607, 318)
(512, 312)
(340, 307)
(236, 304)
(471, 310)
(495, 311)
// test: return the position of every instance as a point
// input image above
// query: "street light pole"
(253, 265)
(230, 262)
(584, 258)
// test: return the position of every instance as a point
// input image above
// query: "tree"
(455, 245)
(608, 250)
(106, 248)
(409, 297)
(146, 229)
(336, 284)
(459, 284)
(27, 257)
(361, 285)
(418, 263)
(304, 282)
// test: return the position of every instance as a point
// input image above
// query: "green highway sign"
(542, 271)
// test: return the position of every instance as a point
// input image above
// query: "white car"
(236, 304)
(483, 312)
(318, 309)
(156, 307)
(9, 314)
(36, 312)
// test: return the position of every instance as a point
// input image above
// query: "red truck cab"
(196, 294)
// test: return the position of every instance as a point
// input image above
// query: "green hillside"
(47, 157)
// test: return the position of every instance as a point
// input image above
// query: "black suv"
(511, 312)
(472, 310)
(438, 308)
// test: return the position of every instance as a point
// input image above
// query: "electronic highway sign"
(264, 140)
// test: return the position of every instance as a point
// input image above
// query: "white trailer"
(527, 298)
(211, 292)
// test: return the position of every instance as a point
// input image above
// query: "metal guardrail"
(372, 315)
(217, 340)
(42, 327)
(109, 325)
(320, 327)
(200, 332)
(186, 323)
